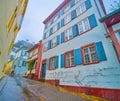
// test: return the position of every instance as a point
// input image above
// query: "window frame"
(83, 26)
(55, 28)
(45, 46)
(67, 18)
(80, 8)
(67, 35)
(69, 60)
(89, 53)
(52, 41)
(51, 64)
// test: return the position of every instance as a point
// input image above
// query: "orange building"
(35, 53)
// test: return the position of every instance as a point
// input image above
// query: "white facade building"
(76, 52)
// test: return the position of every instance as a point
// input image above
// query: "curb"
(82, 95)
(3, 82)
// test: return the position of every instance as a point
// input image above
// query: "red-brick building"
(35, 53)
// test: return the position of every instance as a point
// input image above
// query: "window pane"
(89, 55)
(52, 63)
(86, 24)
(54, 42)
(68, 34)
(69, 59)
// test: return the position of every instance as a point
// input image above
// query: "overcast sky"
(37, 10)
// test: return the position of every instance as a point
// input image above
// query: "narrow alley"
(21, 89)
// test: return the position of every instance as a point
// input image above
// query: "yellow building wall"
(10, 21)
(7, 68)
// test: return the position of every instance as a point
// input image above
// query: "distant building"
(112, 22)
(76, 54)
(16, 47)
(11, 17)
(20, 66)
(35, 53)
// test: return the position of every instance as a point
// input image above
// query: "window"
(48, 24)
(80, 9)
(68, 34)
(76, 1)
(89, 54)
(45, 46)
(56, 17)
(54, 42)
(52, 63)
(69, 59)
(118, 36)
(83, 25)
(67, 7)
(47, 34)
(30, 54)
(24, 63)
(67, 18)
(36, 51)
(55, 28)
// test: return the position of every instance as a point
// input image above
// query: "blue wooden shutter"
(58, 26)
(49, 44)
(77, 57)
(62, 22)
(75, 30)
(51, 31)
(47, 64)
(73, 14)
(62, 60)
(72, 3)
(100, 51)
(92, 20)
(56, 61)
(88, 4)
(58, 39)
(62, 37)
(44, 35)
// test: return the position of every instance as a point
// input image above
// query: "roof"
(34, 47)
(56, 11)
(110, 15)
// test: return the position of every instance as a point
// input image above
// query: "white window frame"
(47, 34)
(76, 1)
(80, 9)
(52, 63)
(69, 59)
(54, 42)
(89, 54)
(84, 25)
(54, 28)
(68, 34)
(56, 17)
(67, 18)
(45, 46)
